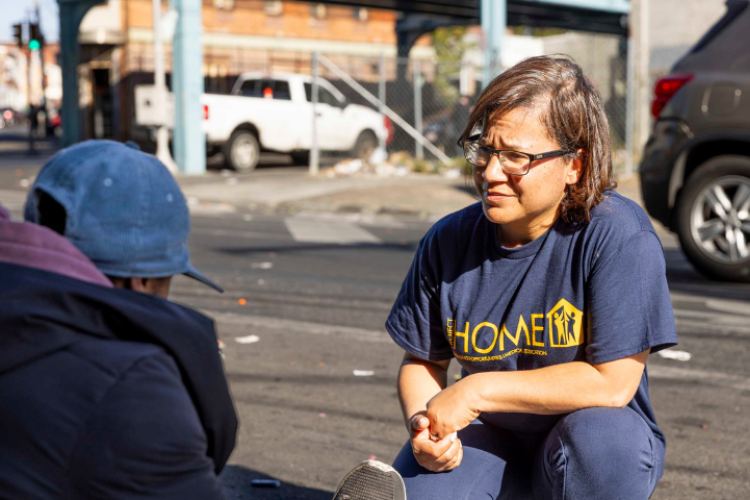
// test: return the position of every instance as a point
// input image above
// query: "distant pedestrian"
(108, 390)
(550, 294)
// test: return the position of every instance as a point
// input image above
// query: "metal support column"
(187, 85)
(71, 15)
(494, 23)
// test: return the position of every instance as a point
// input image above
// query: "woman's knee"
(613, 435)
(598, 450)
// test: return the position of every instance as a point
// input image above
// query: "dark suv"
(695, 172)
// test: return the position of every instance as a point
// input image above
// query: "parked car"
(273, 112)
(695, 172)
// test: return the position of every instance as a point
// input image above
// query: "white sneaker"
(371, 480)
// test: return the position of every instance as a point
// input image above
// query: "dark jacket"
(106, 393)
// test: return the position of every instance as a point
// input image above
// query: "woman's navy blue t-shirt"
(592, 292)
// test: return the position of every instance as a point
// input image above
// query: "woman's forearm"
(418, 382)
(557, 389)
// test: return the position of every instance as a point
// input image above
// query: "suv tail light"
(665, 89)
(388, 124)
(205, 111)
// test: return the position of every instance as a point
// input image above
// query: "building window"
(361, 14)
(318, 11)
(273, 8)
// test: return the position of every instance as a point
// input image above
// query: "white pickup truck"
(273, 112)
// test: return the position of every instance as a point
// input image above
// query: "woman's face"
(531, 199)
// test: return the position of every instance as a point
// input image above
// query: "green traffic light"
(34, 44)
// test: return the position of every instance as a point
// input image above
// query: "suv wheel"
(713, 218)
(242, 151)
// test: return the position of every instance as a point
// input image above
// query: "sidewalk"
(415, 196)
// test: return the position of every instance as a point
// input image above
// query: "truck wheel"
(301, 157)
(242, 151)
(365, 145)
(713, 218)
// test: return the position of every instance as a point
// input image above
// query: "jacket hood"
(27, 244)
(43, 312)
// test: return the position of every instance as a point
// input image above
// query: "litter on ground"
(250, 339)
(676, 355)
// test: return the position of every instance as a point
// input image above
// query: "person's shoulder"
(616, 223)
(114, 358)
(620, 213)
(457, 224)
(616, 220)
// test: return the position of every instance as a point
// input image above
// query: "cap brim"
(196, 275)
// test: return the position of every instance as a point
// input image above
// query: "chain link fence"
(436, 99)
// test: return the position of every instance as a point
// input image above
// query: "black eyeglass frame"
(532, 157)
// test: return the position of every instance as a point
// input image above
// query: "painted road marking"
(321, 231)
(267, 323)
(13, 201)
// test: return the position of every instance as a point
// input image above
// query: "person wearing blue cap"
(109, 390)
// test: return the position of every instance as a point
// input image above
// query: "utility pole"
(642, 72)
(162, 133)
(36, 35)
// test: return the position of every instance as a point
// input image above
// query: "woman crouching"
(550, 294)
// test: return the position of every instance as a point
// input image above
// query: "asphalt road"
(316, 292)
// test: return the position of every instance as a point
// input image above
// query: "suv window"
(734, 9)
(259, 88)
(324, 96)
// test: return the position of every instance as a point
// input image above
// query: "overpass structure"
(419, 17)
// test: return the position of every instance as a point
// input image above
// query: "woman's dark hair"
(574, 116)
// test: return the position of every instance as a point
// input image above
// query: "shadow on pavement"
(684, 278)
(237, 484)
(406, 247)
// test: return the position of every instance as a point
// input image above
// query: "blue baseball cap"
(124, 210)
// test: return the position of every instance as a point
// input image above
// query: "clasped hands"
(433, 433)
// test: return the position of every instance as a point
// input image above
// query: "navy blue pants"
(592, 454)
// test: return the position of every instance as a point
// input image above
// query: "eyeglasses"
(512, 162)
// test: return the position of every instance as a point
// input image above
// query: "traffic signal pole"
(40, 38)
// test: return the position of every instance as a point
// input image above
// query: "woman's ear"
(574, 169)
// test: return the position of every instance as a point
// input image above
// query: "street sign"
(146, 109)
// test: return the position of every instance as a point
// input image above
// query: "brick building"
(21, 77)
(238, 36)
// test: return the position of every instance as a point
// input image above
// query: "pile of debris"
(398, 164)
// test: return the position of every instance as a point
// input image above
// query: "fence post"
(630, 110)
(417, 77)
(381, 93)
(315, 150)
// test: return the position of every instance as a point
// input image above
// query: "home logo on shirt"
(565, 325)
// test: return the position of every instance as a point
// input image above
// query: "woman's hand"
(452, 409)
(436, 456)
